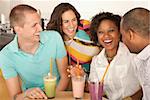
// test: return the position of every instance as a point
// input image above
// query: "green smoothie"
(50, 86)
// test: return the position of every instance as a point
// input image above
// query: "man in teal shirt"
(27, 58)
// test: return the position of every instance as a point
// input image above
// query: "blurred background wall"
(87, 8)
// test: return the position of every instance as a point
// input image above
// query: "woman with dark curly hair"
(119, 80)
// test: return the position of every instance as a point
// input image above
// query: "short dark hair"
(17, 14)
(97, 19)
(56, 17)
(137, 19)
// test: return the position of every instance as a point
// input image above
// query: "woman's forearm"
(138, 95)
(63, 84)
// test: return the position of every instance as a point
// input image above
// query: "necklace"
(109, 58)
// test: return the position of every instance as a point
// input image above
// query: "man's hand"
(35, 93)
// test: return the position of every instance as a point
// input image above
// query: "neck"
(28, 47)
(145, 42)
(67, 38)
(110, 54)
(141, 45)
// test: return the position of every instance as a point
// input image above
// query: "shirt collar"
(145, 53)
(43, 37)
(15, 46)
(122, 49)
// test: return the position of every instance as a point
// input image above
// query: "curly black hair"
(97, 19)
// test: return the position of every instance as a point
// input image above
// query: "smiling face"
(108, 35)
(31, 29)
(69, 23)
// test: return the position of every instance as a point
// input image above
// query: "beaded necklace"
(109, 58)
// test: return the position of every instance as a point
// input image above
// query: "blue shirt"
(32, 68)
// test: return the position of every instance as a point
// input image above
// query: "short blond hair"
(17, 14)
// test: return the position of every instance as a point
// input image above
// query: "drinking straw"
(69, 54)
(77, 62)
(102, 80)
(69, 50)
(78, 72)
(51, 66)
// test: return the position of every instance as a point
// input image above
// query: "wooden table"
(67, 95)
(64, 95)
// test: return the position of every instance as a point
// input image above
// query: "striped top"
(81, 49)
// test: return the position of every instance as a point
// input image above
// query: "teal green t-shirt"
(32, 68)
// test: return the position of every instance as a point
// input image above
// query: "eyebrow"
(69, 19)
(34, 24)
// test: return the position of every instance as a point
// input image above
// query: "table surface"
(64, 95)
(67, 95)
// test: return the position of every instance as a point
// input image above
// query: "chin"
(136, 51)
(108, 48)
(37, 40)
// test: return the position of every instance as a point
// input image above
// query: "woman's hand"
(76, 70)
(35, 93)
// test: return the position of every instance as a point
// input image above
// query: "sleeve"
(132, 83)
(7, 68)
(60, 47)
(93, 74)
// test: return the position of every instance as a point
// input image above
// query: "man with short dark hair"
(26, 60)
(135, 29)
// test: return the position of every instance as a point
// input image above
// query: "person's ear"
(17, 29)
(131, 34)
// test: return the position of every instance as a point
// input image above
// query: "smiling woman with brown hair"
(65, 19)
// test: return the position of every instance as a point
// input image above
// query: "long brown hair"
(55, 22)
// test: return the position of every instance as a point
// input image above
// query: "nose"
(71, 24)
(39, 27)
(106, 34)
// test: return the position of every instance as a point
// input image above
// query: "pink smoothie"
(78, 84)
(96, 90)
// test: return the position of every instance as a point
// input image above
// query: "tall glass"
(96, 90)
(78, 83)
(50, 86)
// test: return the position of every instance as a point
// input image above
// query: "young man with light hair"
(26, 59)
